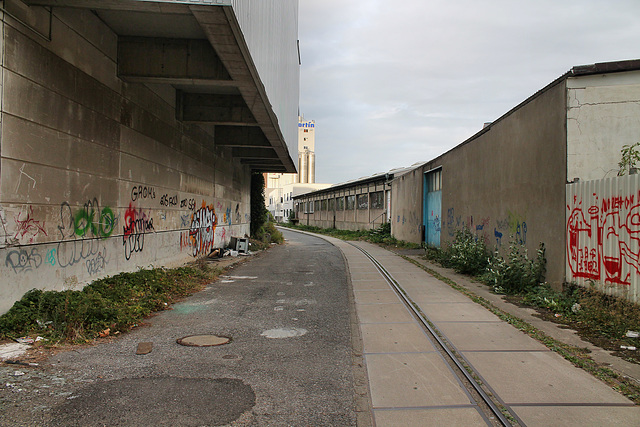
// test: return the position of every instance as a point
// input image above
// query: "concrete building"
(281, 200)
(360, 204)
(512, 181)
(281, 187)
(130, 130)
(306, 151)
(306, 161)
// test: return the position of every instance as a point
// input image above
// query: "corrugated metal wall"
(603, 235)
(270, 29)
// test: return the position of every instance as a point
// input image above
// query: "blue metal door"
(432, 207)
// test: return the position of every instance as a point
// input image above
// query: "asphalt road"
(289, 361)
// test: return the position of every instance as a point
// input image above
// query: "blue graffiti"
(498, 236)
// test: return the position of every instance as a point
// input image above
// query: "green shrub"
(466, 254)
(562, 302)
(274, 233)
(115, 303)
(517, 273)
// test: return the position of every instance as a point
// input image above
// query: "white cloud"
(391, 83)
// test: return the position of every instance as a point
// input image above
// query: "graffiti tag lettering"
(202, 231)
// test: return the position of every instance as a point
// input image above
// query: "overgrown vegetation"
(259, 212)
(517, 273)
(381, 235)
(107, 306)
(268, 233)
(263, 230)
(466, 254)
(599, 318)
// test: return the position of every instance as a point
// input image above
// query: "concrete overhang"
(197, 47)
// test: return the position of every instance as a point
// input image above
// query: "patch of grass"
(107, 306)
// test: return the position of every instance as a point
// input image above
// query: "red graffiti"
(202, 231)
(28, 226)
(605, 245)
(136, 225)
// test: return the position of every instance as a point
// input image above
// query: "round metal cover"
(203, 340)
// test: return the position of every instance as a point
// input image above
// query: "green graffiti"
(85, 226)
(514, 221)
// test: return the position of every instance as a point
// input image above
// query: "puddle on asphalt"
(284, 333)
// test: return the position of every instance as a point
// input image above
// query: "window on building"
(332, 204)
(340, 203)
(317, 205)
(324, 205)
(377, 200)
(434, 181)
(351, 202)
(363, 201)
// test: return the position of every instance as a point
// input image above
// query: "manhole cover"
(203, 340)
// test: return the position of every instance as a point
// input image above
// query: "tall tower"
(306, 151)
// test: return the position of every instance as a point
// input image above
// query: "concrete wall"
(97, 176)
(603, 115)
(506, 183)
(406, 205)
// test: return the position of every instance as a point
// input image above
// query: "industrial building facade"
(512, 180)
(360, 204)
(130, 130)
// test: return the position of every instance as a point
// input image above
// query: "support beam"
(263, 162)
(175, 61)
(240, 136)
(214, 109)
(254, 153)
(140, 6)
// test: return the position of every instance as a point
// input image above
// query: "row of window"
(361, 202)
(286, 198)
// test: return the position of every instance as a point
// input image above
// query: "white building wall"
(270, 29)
(603, 114)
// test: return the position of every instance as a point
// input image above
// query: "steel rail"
(436, 335)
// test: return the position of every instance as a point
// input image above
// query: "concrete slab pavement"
(539, 386)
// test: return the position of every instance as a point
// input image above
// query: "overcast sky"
(391, 83)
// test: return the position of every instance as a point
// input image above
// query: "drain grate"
(203, 340)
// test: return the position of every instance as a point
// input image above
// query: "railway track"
(495, 411)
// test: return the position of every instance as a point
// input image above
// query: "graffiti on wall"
(603, 238)
(136, 224)
(27, 228)
(23, 260)
(91, 221)
(82, 236)
(202, 229)
(513, 226)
